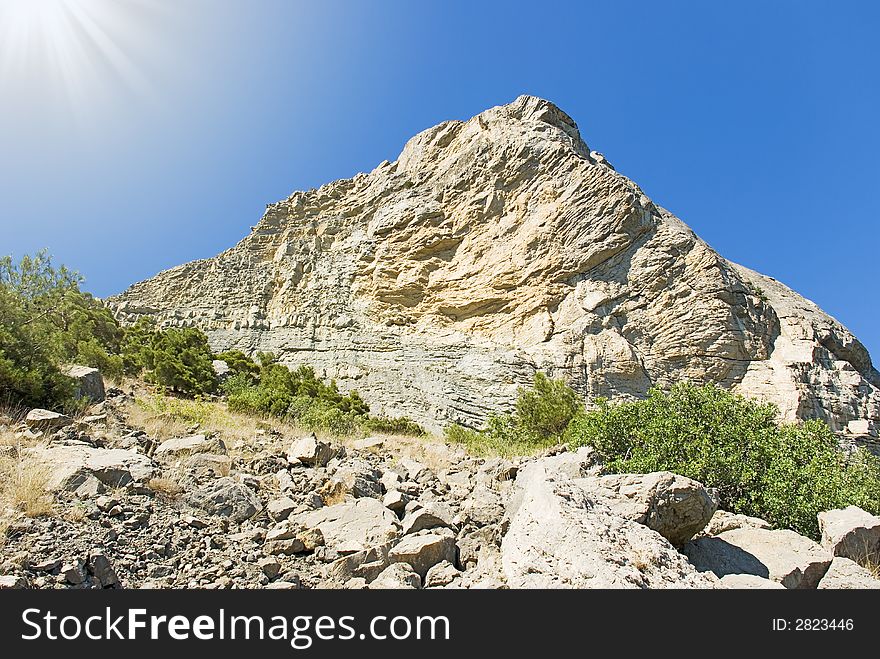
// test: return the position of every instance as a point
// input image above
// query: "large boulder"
(353, 526)
(559, 537)
(748, 582)
(845, 574)
(674, 506)
(851, 533)
(723, 521)
(780, 555)
(191, 445)
(353, 480)
(70, 467)
(226, 497)
(396, 576)
(310, 451)
(40, 419)
(424, 550)
(89, 382)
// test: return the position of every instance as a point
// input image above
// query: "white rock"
(189, 445)
(397, 575)
(309, 451)
(780, 555)
(39, 419)
(674, 506)
(423, 551)
(851, 533)
(845, 574)
(559, 538)
(748, 581)
(69, 467)
(353, 526)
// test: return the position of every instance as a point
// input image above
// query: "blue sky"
(163, 133)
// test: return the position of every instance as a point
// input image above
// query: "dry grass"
(75, 514)
(165, 486)
(23, 487)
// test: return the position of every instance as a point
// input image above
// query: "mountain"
(495, 247)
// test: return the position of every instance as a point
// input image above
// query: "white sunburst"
(70, 48)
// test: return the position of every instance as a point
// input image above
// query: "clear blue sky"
(168, 126)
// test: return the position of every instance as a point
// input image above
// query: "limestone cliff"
(496, 246)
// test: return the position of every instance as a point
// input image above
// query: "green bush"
(298, 395)
(394, 426)
(240, 364)
(546, 409)
(47, 321)
(785, 474)
(540, 417)
(176, 358)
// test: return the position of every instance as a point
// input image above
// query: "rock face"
(494, 247)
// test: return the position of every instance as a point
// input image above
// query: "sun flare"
(72, 47)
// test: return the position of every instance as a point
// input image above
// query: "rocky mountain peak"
(495, 247)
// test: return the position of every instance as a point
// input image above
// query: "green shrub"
(785, 474)
(298, 395)
(540, 417)
(394, 426)
(179, 359)
(240, 364)
(546, 409)
(47, 321)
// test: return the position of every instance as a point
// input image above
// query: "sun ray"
(71, 50)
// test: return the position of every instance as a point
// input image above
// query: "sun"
(68, 48)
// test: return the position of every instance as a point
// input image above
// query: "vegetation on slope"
(784, 473)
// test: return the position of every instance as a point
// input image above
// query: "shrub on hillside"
(45, 322)
(240, 365)
(785, 474)
(178, 359)
(540, 417)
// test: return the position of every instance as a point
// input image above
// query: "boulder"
(748, 581)
(432, 515)
(851, 533)
(395, 500)
(397, 575)
(102, 570)
(227, 498)
(725, 521)
(845, 574)
(311, 452)
(353, 526)
(355, 479)
(280, 509)
(441, 575)
(40, 419)
(221, 368)
(369, 444)
(780, 555)
(424, 550)
(89, 382)
(366, 564)
(558, 537)
(483, 506)
(674, 506)
(172, 448)
(12, 582)
(70, 467)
